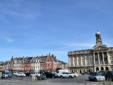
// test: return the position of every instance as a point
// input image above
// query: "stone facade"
(96, 59)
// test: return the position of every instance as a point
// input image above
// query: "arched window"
(97, 69)
(102, 69)
(107, 69)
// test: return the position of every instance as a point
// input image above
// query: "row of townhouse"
(26, 64)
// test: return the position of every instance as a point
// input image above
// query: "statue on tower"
(99, 44)
(98, 38)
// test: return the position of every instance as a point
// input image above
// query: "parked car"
(74, 74)
(27, 73)
(35, 74)
(43, 77)
(102, 72)
(6, 75)
(50, 74)
(62, 70)
(96, 77)
(66, 75)
(21, 74)
(39, 76)
(86, 73)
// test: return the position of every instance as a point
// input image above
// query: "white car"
(96, 77)
(22, 74)
(35, 74)
(66, 75)
(74, 74)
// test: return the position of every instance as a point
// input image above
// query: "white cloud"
(20, 9)
(19, 52)
(8, 39)
(79, 44)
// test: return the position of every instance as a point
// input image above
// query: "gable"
(100, 47)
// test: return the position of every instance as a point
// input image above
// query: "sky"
(40, 27)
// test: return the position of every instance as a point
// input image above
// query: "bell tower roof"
(98, 33)
(98, 40)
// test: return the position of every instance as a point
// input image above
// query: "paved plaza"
(48, 82)
(82, 80)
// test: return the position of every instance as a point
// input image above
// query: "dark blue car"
(6, 75)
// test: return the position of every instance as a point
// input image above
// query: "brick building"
(50, 63)
(26, 64)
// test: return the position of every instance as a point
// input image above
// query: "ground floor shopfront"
(91, 68)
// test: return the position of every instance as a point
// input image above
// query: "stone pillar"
(108, 58)
(76, 61)
(88, 60)
(94, 69)
(93, 62)
(73, 61)
(110, 69)
(85, 60)
(94, 58)
(103, 58)
(80, 60)
(98, 59)
(69, 61)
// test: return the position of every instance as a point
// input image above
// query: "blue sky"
(39, 27)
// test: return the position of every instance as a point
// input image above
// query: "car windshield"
(65, 73)
(99, 74)
(6, 73)
(93, 74)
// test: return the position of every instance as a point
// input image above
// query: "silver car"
(96, 77)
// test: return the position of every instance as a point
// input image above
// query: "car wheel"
(53, 76)
(89, 79)
(61, 76)
(95, 79)
(70, 77)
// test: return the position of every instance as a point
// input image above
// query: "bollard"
(85, 83)
(33, 78)
(103, 83)
(109, 82)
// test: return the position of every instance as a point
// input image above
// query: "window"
(96, 58)
(111, 57)
(90, 60)
(71, 61)
(105, 58)
(75, 60)
(79, 60)
(87, 60)
(83, 60)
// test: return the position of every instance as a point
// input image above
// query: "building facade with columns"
(100, 57)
